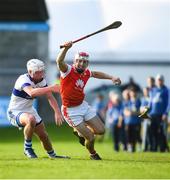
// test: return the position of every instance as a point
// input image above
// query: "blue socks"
(51, 153)
(27, 144)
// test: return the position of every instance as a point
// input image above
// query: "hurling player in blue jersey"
(21, 112)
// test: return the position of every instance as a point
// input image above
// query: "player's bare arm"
(53, 103)
(60, 58)
(34, 92)
(101, 75)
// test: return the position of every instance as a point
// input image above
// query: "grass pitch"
(14, 165)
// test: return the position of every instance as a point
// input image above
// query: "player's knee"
(90, 138)
(100, 131)
(31, 121)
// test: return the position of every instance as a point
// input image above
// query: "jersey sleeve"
(22, 82)
(64, 74)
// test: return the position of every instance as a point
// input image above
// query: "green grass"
(13, 164)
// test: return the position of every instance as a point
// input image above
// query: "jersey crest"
(80, 83)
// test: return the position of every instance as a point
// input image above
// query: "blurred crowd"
(121, 111)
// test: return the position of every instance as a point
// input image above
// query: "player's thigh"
(85, 131)
(96, 124)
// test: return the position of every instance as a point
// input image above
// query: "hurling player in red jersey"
(76, 111)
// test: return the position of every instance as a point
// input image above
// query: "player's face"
(81, 64)
(37, 76)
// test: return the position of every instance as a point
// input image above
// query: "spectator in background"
(115, 116)
(107, 121)
(146, 122)
(126, 115)
(158, 112)
(150, 83)
(99, 105)
(132, 85)
(136, 121)
(108, 109)
(132, 121)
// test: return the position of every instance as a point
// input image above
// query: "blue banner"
(4, 101)
(24, 26)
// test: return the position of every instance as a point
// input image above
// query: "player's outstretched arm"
(61, 56)
(34, 92)
(101, 75)
(53, 103)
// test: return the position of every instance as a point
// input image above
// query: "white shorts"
(75, 115)
(13, 116)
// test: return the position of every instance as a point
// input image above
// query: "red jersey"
(72, 86)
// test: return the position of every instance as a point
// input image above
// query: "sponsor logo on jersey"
(80, 83)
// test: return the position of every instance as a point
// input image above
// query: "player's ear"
(30, 73)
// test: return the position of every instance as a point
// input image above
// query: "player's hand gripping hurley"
(114, 25)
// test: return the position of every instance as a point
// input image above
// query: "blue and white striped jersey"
(20, 100)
